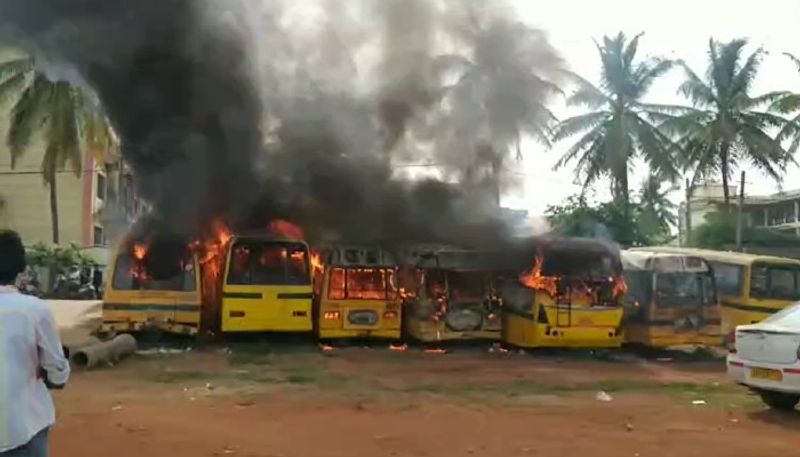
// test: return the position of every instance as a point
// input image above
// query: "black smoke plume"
(238, 110)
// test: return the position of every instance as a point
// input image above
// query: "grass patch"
(522, 388)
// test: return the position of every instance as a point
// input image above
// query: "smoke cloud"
(249, 110)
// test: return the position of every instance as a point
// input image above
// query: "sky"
(674, 29)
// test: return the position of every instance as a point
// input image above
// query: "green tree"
(653, 218)
(719, 232)
(61, 113)
(725, 125)
(619, 125)
(656, 213)
(500, 89)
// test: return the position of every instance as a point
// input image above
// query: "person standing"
(31, 360)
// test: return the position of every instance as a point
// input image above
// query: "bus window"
(729, 278)
(709, 294)
(775, 282)
(639, 287)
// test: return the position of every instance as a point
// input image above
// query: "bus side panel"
(429, 331)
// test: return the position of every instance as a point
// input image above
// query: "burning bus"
(357, 295)
(243, 283)
(154, 283)
(267, 285)
(571, 296)
(450, 295)
(671, 300)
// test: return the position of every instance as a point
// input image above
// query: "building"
(93, 205)
(779, 211)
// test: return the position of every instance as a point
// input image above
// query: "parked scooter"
(74, 285)
(28, 283)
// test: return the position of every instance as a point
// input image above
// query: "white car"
(766, 358)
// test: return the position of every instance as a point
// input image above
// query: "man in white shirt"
(31, 360)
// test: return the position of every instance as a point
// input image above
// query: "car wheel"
(779, 400)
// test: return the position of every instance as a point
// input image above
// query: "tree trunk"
(724, 157)
(626, 207)
(54, 208)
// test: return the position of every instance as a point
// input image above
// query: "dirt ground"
(255, 400)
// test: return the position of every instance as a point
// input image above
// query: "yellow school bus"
(357, 295)
(450, 295)
(152, 286)
(267, 286)
(571, 297)
(671, 300)
(751, 287)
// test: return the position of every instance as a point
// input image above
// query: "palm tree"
(620, 125)
(657, 214)
(725, 125)
(500, 92)
(60, 112)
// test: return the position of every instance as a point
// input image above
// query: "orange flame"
(139, 251)
(620, 287)
(211, 253)
(316, 263)
(534, 279)
(285, 229)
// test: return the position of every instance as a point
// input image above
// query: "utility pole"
(688, 215)
(739, 220)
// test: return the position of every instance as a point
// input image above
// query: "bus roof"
(265, 237)
(739, 258)
(662, 261)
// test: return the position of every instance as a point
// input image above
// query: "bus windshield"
(256, 262)
(578, 265)
(132, 274)
(684, 289)
(466, 285)
(362, 284)
(775, 281)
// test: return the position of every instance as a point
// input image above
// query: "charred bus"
(266, 286)
(671, 300)
(571, 296)
(451, 295)
(153, 284)
(356, 295)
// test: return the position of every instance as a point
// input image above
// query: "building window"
(101, 187)
(98, 236)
